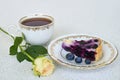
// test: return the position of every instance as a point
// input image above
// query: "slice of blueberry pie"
(88, 49)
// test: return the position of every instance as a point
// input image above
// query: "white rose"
(43, 66)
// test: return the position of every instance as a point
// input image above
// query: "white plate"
(58, 54)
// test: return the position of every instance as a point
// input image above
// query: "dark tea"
(36, 22)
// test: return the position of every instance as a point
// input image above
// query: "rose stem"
(19, 46)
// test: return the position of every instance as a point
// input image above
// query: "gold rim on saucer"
(55, 44)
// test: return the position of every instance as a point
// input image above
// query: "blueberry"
(82, 42)
(70, 56)
(89, 41)
(88, 47)
(87, 61)
(95, 40)
(78, 59)
(94, 46)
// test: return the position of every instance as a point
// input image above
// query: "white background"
(94, 17)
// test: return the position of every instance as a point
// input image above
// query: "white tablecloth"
(94, 17)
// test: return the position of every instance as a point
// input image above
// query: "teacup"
(37, 29)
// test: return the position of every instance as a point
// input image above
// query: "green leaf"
(21, 57)
(36, 50)
(13, 50)
(18, 41)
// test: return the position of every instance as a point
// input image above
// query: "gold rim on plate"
(114, 53)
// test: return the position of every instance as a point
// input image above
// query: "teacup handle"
(14, 30)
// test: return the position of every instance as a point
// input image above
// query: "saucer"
(57, 53)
